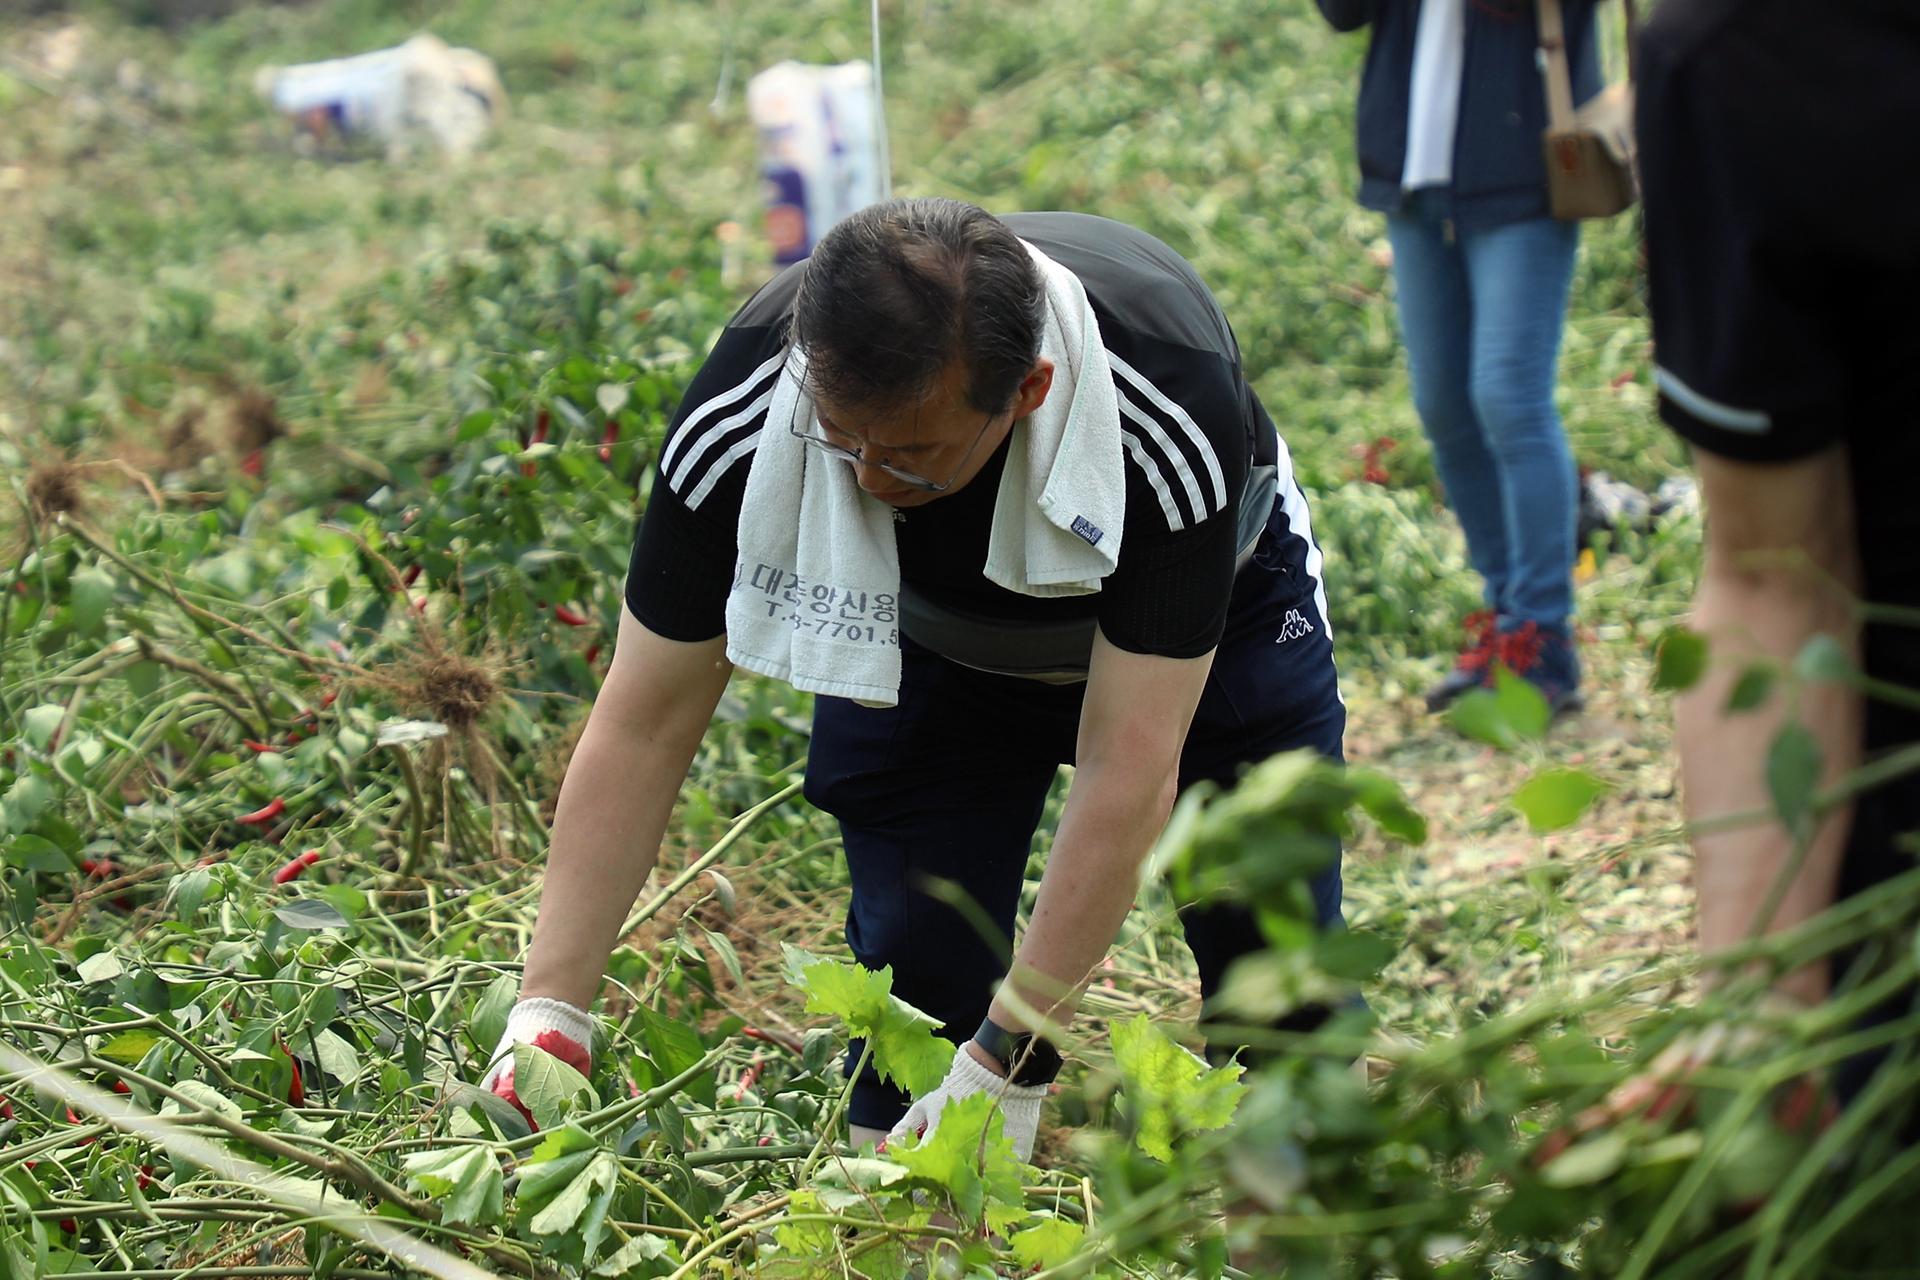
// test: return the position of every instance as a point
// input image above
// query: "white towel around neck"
(816, 590)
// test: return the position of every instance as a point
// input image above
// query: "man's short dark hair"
(898, 291)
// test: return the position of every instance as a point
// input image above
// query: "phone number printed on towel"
(835, 612)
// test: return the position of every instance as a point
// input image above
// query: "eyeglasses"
(911, 479)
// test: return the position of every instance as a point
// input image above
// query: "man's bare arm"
(1132, 727)
(1781, 567)
(619, 791)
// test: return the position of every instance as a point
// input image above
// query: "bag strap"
(1553, 43)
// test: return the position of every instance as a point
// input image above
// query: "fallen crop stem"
(744, 1155)
(292, 1194)
(416, 812)
(338, 1164)
(693, 869)
(152, 652)
(691, 1266)
(153, 1022)
(181, 1273)
(619, 1111)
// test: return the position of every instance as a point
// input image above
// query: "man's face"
(944, 439)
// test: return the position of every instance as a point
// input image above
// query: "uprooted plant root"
(254, 421)
(54, 489)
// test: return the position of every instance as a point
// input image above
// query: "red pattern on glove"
(561, 1046)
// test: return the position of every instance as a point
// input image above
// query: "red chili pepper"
(295, 737)
(262, 816)
(293, 869)
(572, 617)
(749, 1078)
(144, 1178)
(74, 1119)
(592, 653)
(106, 869)
(609, 438)
(296, 1092)
(540, 425)
(411, 576)
(120, 1086)
(6, 1109)
(69, 1226)
(260, 748)
(254, 463)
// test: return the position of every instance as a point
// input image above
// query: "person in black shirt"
(1204, 648)
(1783, 229)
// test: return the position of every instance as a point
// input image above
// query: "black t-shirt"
(1191, 426)
(1783, 219)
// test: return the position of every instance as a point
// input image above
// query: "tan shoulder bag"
(1590, 157)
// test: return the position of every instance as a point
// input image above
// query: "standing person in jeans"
(1452, 107)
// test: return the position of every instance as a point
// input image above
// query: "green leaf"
(1521, 704)
(568, 1218)
(1357, 955)
(35, 853)
(143, 679)
(310, 913)
(859, 1173)
(1050, 1244)
(642, 1248)
(1477, 716)
(190, 892)
(41, 722)
(1793, 774)
(1169, 1092)
(1679, 659)
(102, 966)
(26, 800)
(1824, 658)
(466, 1180)
(905, 1048)
(92, 592)
(129, 1046)
(1753, 688)
(1555, 798)
(1382, 800)
(203, 1096)
(673, 1045)
(548, 1087)
(337, 1058)
(729, 958)
(1585, 1163)
(967, 1156)
(488, 1022)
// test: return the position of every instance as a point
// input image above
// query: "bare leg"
(1781, 563)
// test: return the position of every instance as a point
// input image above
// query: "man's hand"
(553, 1026)
(1019, 1104)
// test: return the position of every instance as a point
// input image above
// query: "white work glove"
(554, 1026)
(1019, 1103)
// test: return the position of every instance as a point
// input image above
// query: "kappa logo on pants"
(1294, 627)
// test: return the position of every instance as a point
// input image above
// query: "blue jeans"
(1481, 313)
